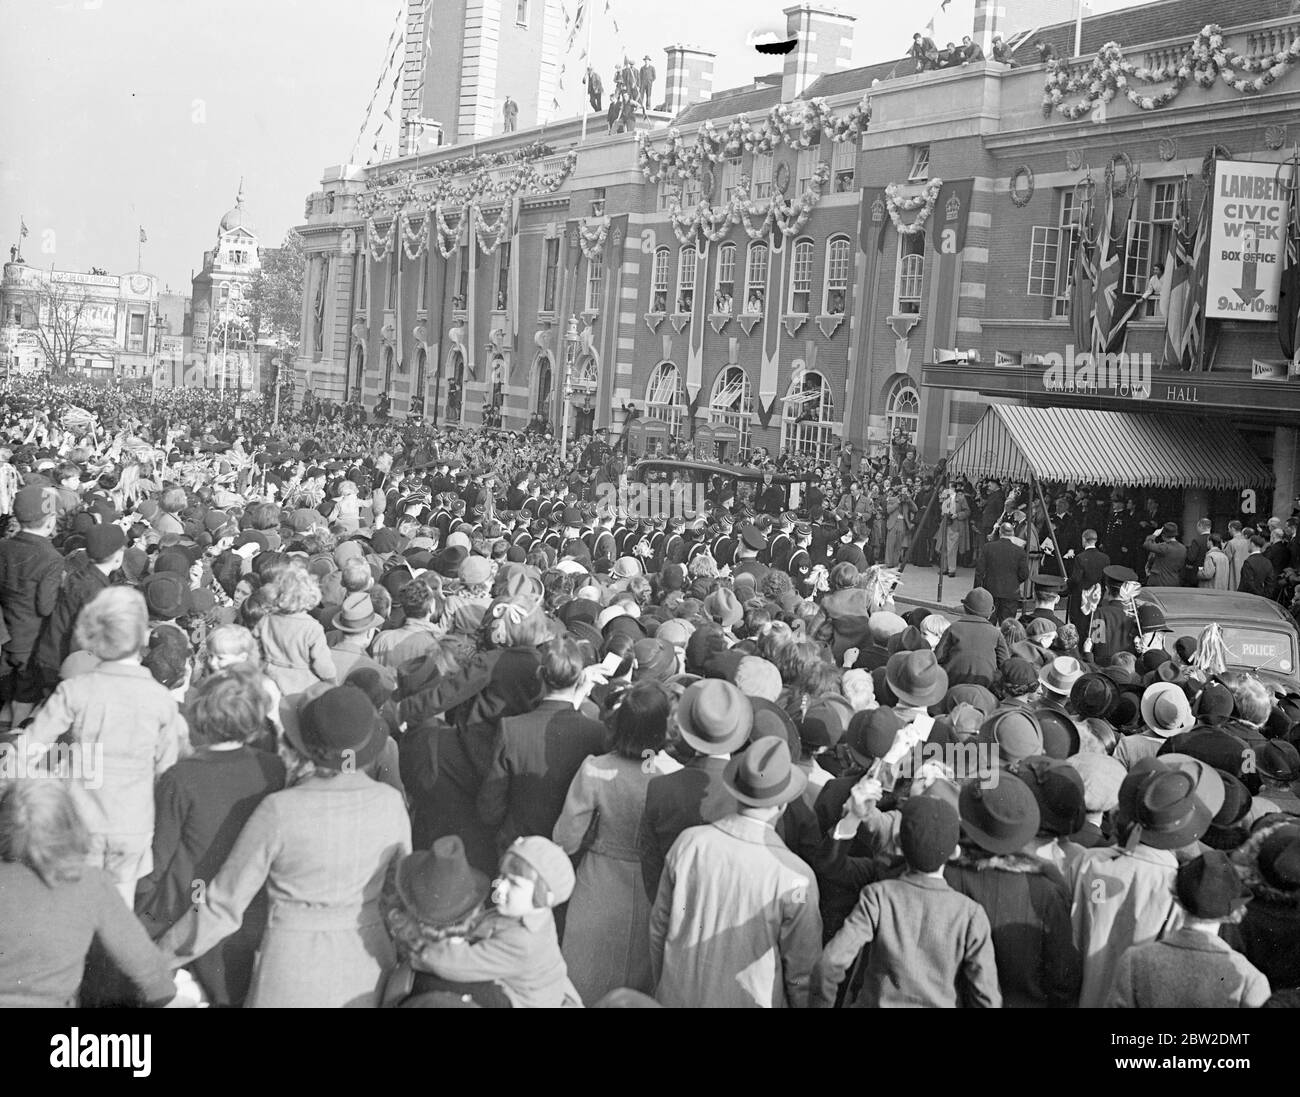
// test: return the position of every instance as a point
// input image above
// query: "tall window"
(503, 276)
(903, 409)
(551, 279)
(669, 195)
(910, 275)
(920, 164)
(595, 280)
(807, 418)
(663, 396)
(730, 177)
(761, 176)
(462, 297)
(521, 12)
(692, 192)
(135, 335)
(732, 403)
(844, 158)
(809, 159)
(686, 260)
(801, 278)
(1137, 256)
(725, 288)
(756, 278)
(659, 288)
(837, 276)
(1164, 218)
(363, 272)
(1052, 251)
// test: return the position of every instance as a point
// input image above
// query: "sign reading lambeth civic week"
(1247, 238)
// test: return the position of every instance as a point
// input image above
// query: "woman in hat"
(1269, 933)
(1025, 898)
(320, 849)
(606, 935)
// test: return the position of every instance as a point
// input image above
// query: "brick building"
(814, 308)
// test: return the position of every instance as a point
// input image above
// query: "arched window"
(663, 396)
(903, 409)
(686, 260)
(724, 287)
(732, 403)
(660, 287)
(756, 278)
(808, 417)
(837, 276)
(801, 279)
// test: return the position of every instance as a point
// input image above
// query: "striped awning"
(1120, 448)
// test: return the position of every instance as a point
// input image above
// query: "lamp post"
(570, 355)
(157, 353)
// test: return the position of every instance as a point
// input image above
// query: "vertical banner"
(1247, 240)
(516, 260)
(471, 343)
(399, 336)
(771, 361)
(951, 216)
(699, 310)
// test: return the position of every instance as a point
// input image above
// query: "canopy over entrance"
(1120, 448)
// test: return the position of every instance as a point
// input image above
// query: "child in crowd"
(294, 650)
(515, 945)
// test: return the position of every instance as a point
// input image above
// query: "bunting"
(1288, 297)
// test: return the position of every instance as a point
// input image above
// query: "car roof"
(1215, 605)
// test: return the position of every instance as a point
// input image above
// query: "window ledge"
(749, 320)
(654, 319)
(590, 316)
(829, 323)
(719, 320)
(680, 320)
(458, 316)
(546, 316)
(794, 321)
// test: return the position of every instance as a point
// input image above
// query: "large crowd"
(325, 709)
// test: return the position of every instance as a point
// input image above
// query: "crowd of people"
(333, 711)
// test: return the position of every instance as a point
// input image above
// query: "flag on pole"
(1109, 269)
(143, 238)
(1181, 303)
(1288, 298)
(22, 228)
(1083, 276)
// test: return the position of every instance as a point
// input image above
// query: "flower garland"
(1206, 60)
(377, 246)
(415, 243)
(799, 125)
(897, 203)
(448, 239)
(786, 216)
(460, 166)
(482, 229)
(592, 240)
(483, 186)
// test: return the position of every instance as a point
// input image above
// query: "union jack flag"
(1187, 264)
(1083, 275)
(1288, 299)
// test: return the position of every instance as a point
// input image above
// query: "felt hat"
(33, 503)
(1102, 775)
(1209, 886)
(1094, 694)
(655, 659)
(1165, 709)
(929, 832)
(438, 886)
(870, 734)
(1059, 790)
(357, 614)
(916, 678)
(1278, 859)
(166, 595)
(978, 602)
(764, 775)
(1060, 674)
(1019, 674)
(999, 818)
(335, 728)
(102, 541)
(1166, 812)
(714, 717)
(1016, 733)
(721, 605)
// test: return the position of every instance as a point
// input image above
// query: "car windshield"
(1249, 648)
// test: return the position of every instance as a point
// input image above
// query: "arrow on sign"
(1247, 290)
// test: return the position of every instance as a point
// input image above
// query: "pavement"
(940, 593)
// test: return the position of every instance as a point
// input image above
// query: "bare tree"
(64, 328)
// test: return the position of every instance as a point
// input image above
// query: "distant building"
(221, 336)
(102, 326)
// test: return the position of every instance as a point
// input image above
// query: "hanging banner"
(699, 310)
(951, 216)
(772, 307)
(1247, 238)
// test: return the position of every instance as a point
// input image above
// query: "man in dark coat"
(31, 570)
(1066, 528)
(1197, 546)
(1113, 628)
(1257, 576)
(771, 498)
(105, 547)
(1001, 569)
(1168, 555)
(855, 552)
(995, 502)
(1085, 572)
(972, 650)
(1047, 593)
(1117, 538)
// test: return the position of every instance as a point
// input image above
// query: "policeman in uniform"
(1047, 593)
(1113, 627)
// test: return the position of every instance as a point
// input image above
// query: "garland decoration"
(798, 125)
(1206, 60)
(1020, 198)
(592, 240)
(378, 246)
(461, 166)
(448, 239)
(1131, 176)
(415, 242)
(483, 231)
(897, 203)
(784, 215)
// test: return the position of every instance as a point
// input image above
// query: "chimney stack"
(689, 79)
(990, 19)
(825, 46)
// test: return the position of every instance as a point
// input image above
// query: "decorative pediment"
(654, 319)
(718, 321)
(793, 322)
(749, 320)
(680, 320)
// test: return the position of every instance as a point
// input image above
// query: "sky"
(122, 114)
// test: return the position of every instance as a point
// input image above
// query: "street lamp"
(570, 356)
(157, 352)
